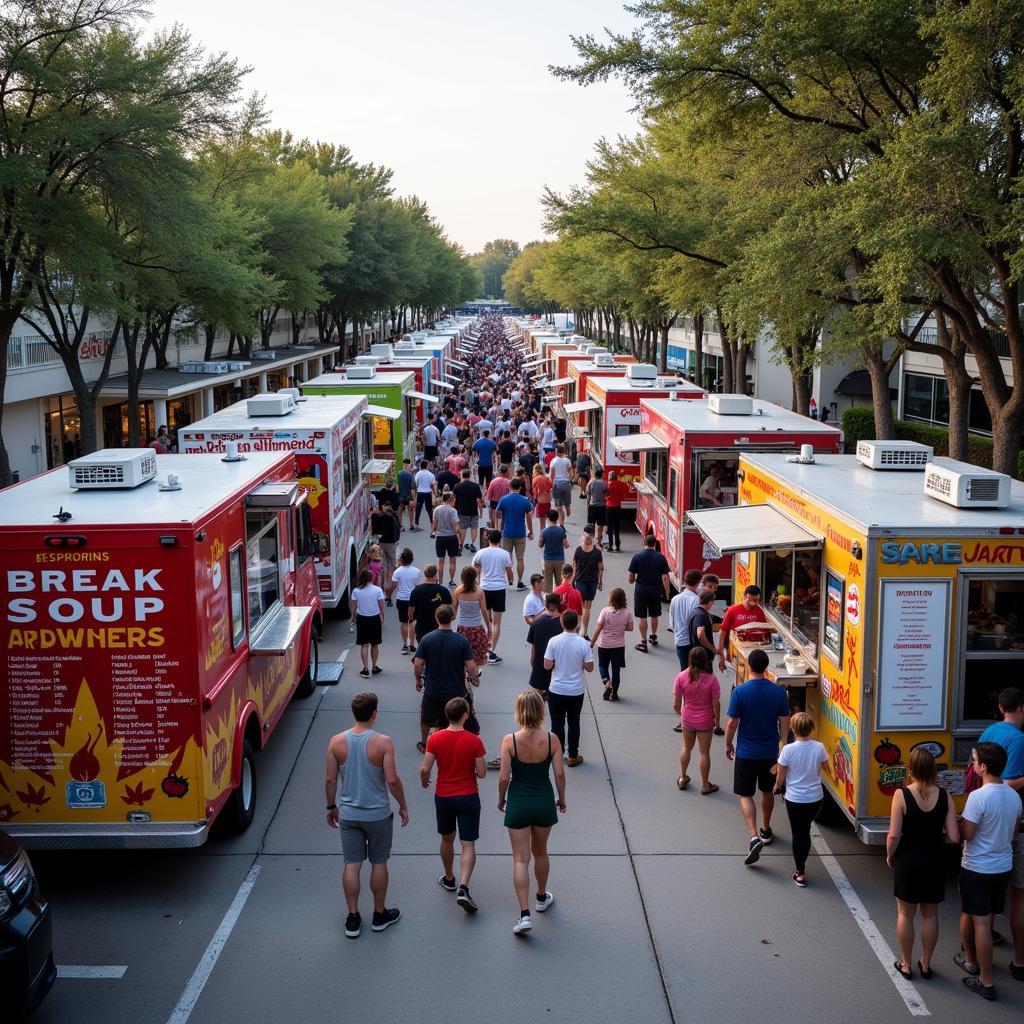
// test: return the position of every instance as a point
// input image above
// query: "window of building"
(263, 569)
(656, 470)
(791, 591)
(926, 398)
(63, 430)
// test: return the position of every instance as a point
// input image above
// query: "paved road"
(656, 919)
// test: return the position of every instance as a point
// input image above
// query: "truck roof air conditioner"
(894, 454)
(383, 353)
(364, 372)
(113, 469)
(964, 486)
(731, 405)
(278, 404)
(645, 373)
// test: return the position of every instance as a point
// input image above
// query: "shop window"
(918, 397)
(707, 465)
(353, 470)
(656, 470)
(597, 426)
(263, 550)
(235, 582)
(673, 489)
(791, 590)
(63, 430)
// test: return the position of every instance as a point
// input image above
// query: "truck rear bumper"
(872, 831)
(113, 836)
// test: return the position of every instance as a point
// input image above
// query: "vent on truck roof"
(278, 404)
(641, 374)
(604, 359)
(893, 454)
(965, 486)
(113, 469)
(383, 353)
(731, 405)
(361, 372)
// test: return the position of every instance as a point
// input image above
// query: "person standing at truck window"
(710, 489)
(613, 499)
(368, 611)
(365, 760)
(680, 608)
(746, 611)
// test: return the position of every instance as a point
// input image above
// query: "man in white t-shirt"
(431, 441)
(482, 425)
(548, 441)
(560, 472)
(449, 436)
(534, 603)
(426, 488)
(528, 428)
(569, 657)
(494, 564)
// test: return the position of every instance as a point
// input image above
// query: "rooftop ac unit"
(113, 469)
(642, 371)
(965, 486)
(604, 359)
(731, 405)
(279, 404)
(294, 392)
(405, 345)
(361, 372)
(235, 367)
(893, 454)
(384, 353)
(367, 360)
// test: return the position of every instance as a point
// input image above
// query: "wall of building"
(23, 425)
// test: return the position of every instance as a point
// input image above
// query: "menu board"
(913, 651)
(832, 636)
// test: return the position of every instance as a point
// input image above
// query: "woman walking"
(588, 574)
(614, 622)
(799, 776)
(525, 796)
(922, 818)
(368, 613)
(472, 619)
(406, 577)
(697, 699)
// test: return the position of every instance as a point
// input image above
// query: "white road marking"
(908, 993)
(201, 975)
(91, 970)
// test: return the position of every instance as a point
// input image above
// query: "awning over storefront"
(421, 397)
(638, 443)
(588, 406)
(751, 528)
(385, 413)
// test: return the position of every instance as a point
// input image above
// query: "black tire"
(241, 806)
(828, 812)
(307, 684)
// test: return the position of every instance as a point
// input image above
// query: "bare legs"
(526, 842)
(976, 935)
(703, 741)
(467, 859)
(378, 886)
(905, 932)
(750, 815)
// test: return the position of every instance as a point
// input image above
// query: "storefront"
(63, 425)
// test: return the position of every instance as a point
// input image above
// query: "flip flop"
(710, 788)
(906, 974)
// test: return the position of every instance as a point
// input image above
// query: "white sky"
(454, 95)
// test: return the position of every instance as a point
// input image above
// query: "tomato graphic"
(887, 753)
(174, 785)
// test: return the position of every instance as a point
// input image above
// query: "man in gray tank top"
(361, 809)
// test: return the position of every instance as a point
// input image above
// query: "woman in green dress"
(526, 797)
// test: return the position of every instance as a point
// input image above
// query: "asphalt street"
(656, 919)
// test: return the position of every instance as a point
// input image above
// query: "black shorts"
(982, 894)
(432, 712)
(404, 502)
(446, 546)
(494, 600)
(368, 629)
(430, 452)
(403, 609)
(463, 811)
(587, 589)
(595, 515)
(646, 606)
(750, 773)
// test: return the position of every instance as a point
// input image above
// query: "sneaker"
(520, 585)
(985, 991)
(766, 835)
(365, 672)
(524, 924)
(466, 901)
(494, 762)
(451, 583)
(573, 761)
(754, 851)
(1017, 971)
(653, 639)
(966, 965)
(353, 925)
(433, 535)
(448, 884)
(386, 918)
(472, 548)
(388, 603)
(492, 658)
(544, 902)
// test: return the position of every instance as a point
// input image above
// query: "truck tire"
(241, 806)
(828, 812)
(307, 684)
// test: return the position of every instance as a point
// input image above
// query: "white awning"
(588, 406)
(560, 382)
(533, 362)
(452, 376)
(421, 397)
(455, 362)
(751, 528)
(385, 413)
(638, 443)
(378, 467)
(442, 384)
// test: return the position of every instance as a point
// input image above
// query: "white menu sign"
(913, 646)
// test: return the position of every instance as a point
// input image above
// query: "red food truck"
(684, 445)
(155, 631)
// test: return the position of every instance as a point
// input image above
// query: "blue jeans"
(683, 654)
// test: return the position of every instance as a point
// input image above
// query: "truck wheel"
(241, 806)
(307, 684)
(828, 812)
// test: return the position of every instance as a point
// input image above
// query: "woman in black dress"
(922, 819)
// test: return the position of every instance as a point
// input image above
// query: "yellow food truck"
(894, 586)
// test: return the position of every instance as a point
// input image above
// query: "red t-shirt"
(740, 615)
(542, 490)
(456, 751)
(617, 491)
(572, 599)
(547, 459)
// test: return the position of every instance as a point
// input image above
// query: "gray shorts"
(367, 840)
(469, 522)
(561, 493)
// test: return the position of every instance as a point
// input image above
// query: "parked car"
(27, 970)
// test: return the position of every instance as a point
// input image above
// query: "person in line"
(495, 567)
(572, 599)
(596, 495)
(588, 574)
(375, 564)
(406, 577)
(469, 503)
(583, 465)
(496, 490)
(617, 492)
(758, 716)
(528, 803)
(441, 664)
(680, 608)
(513, 515)
(701, 628)
(484, 449)
(569, 657)
(921, 819)
(540, 485)
(560, 471)
(425, 599)
(989, 826)
(613, 623)
(697, 700)
(431, 441)
(746, 611)
(384, 523)
(648, 572)
(709, 581)
(473, 620)
(426, 492)
(367, 608)
(459, 755)
(533, 605)
(553, 542)
(365, 760)
(445, 522)
(544, 627)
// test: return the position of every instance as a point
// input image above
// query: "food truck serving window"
(713, 480)
(656, 470)
(350, 447)
(235, 580)
(262, 555)
(790, 583)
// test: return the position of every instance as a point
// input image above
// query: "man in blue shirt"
(513, 516)
(553, 542)
(406, 486)
(485, 448)
(759, 712)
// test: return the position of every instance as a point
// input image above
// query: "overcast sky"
(453, 95)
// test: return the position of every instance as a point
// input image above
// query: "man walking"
(648, 572)
(406, 489)
(680, 608)
(384, 523)
(425, 599)
(546, 626)
(569, 657)
(759, 713)
(560, 472)
(495, 567)
(445, 523)
(553, 542)
(484, 448)
(469, 503)
(459, 755)
(513, 514)
(365, 759)
(426, 491)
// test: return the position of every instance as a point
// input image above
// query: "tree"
(518, 282)
(495, 258)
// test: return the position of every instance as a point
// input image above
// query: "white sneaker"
(542, 905)
(524, 924)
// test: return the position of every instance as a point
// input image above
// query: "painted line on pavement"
(91, 970)
(908, 993)
(201, 975)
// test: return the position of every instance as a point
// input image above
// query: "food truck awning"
(561, 382)
(455, 362)
(419, 396)
(637, 443)
(751, 528)
(533, 362)
(443, 384)
(588, 406)
(378, 467)
(382, 411)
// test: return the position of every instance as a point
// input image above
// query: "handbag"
(471, 724)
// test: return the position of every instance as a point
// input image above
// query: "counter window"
(791, 589)
(263, 551)
(597, 425)
(353, 470)
(673, 489)
(235, 581)
(656, 470)
(994, 643)
(714, 480)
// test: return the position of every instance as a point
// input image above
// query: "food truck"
(684, 444)
(896, 583)
(392, 400)
(404, 355)
(328, 436)
(612, 411)
(155, 632)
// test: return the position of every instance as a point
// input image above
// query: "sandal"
(607, 695)
(654, 639)
(906, 974)
(683, 781)
(926, 972)
(642, 647)
(709, 788)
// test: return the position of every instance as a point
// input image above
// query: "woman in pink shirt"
(613, 624)
(697, 695)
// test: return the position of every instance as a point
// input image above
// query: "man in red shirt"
(617, 491)
(460, 762)
(748, 610)
(572, 599)
(455, 463)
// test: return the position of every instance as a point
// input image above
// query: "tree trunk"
(663, 354)
(878, 370)
(130, 333)
(210, 336)
(958, 384)
(740, 375)
(698, 348)
(728, 354)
